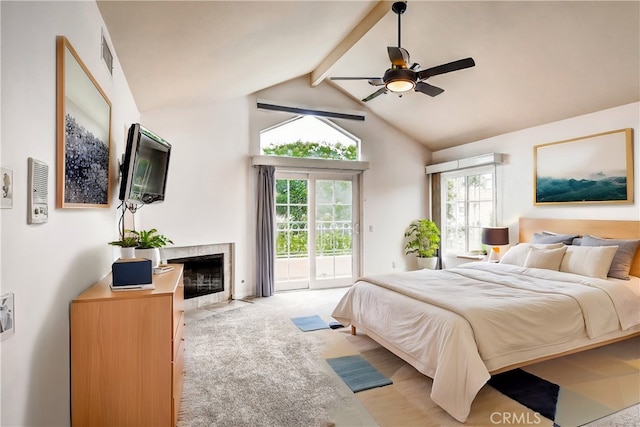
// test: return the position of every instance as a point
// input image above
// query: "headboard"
(600, 228)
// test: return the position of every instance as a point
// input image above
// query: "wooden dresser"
(127, 354)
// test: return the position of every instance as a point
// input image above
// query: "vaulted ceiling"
(536, 62)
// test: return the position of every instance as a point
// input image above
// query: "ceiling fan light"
(400, 85)
(399, 80)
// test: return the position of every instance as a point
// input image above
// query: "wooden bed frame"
(612, 229)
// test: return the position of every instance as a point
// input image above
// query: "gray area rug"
(251, 366)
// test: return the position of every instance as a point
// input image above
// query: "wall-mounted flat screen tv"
(145, 167)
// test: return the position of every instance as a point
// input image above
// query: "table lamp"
(495, 237)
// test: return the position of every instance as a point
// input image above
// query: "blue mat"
(309, 323)
(535, 393)
(357, 373)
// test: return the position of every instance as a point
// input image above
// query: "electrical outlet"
(393, 264)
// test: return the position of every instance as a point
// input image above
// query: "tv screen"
(145, 167)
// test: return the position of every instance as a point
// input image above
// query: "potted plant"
(423, 241)
(127, 245)
(149, 244)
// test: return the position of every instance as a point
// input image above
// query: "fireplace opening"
(203, 275)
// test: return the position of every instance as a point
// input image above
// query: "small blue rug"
(310, 323)
(357, 373)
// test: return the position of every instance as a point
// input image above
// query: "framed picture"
(83, 134)
(7, 320)
(591, 169)
(7, 188)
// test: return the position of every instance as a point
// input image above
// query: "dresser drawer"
(178, 306)
(178, 338)
(178, 376)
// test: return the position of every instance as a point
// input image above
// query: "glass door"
(317, 236)
(292, 232)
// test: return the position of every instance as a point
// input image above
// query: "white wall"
(210, 191)
(208, 183)
(47, 265)
(209, 195)
(515, 176)
(394, 189)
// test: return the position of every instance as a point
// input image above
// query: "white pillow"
(592, 261)
(517, 255)
(548, 259)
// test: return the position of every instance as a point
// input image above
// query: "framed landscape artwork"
(83, 134)
(591, 169)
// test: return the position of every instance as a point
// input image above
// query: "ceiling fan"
(402, 77)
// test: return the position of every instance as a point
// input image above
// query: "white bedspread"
(479, 315)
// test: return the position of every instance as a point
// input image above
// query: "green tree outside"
(313, 150)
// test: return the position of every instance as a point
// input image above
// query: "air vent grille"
(107, 56)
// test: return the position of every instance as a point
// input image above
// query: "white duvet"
(480, 317)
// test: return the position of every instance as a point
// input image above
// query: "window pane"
(281, 213)
(298, 243)
(282, 191)
(475, 238)
(298, 213)
(343, 213)
(309, 137)
(324, 192)
(467, 202)
(486, 214)
(324, 213)
(298, 190)
(455, 239)
(343, 192)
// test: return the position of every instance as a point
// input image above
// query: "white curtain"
(265, 242)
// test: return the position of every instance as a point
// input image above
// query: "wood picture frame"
(83, 134)
(591, 169)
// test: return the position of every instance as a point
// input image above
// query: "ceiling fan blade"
(399, 57)
(355, 78)
(446, 68)
(376, 82)
(375, 94)
(428, 89)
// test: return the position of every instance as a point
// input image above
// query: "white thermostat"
(38, 202)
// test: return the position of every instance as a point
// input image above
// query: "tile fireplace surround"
(174, 252)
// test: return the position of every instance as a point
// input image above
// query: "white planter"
(429, 263)
(152, 254)
(127, 253)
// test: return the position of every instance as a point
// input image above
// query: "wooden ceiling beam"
(376, 14)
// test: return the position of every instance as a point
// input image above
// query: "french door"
(317, 238)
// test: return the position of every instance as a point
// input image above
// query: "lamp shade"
(399, 80)
(400, 85)
(495, 236)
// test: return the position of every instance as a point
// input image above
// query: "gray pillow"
(623, 258)
(547, 238)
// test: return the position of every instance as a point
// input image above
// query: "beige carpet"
(595, 383)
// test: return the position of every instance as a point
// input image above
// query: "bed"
(543, 300)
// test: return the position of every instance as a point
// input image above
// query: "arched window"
(310, 137)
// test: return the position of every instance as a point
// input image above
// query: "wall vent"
(107, 56)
